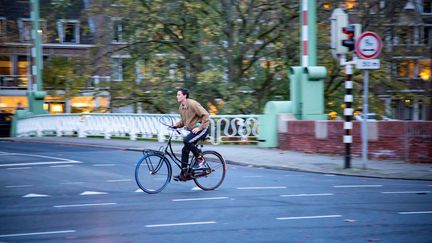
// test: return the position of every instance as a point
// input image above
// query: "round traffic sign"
(368, 45)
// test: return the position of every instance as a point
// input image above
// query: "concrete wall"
(410, 141)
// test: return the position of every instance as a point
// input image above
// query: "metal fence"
(223, 128)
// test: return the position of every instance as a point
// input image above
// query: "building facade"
(72, 33)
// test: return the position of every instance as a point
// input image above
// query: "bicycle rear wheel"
(212, 176)
(152, 173)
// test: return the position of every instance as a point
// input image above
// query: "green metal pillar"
(307, 86)
(35, 94)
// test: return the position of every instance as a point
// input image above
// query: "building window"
(25, 27)
(69, 31)
(427, 37)
(424, 69)
(117, 30)
(5, 65)
(23, 70)
(350, 4)
(427, 6)
(3, 30)
(406, 69)
(118, 67)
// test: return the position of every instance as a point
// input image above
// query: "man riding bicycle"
(196, 120)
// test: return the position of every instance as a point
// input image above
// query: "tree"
(223, 50)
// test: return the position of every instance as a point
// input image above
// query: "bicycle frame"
(168, 150)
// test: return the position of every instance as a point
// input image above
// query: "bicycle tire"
(212, 176)
(153, 173)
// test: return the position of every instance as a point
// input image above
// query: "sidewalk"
(250, 155)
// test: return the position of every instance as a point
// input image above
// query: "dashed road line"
(72, 183)
(37, 163)
(405, 192)
(418, 212)
(310, 217)
(199, 199)
(307, 195)
(35, 195)
(19, 168)
(179, 224)
(18, 186)
(38, 233)
(84, 205)
(86, 193)
(60, 166)
(261, 187)
(119, 180)
(356, 186)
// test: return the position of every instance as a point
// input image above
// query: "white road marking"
(261, 187)
(38, 233)
(104, 165)
(356, 186)
(19, 168)
(139, 190)
(60, 166)
(120, 180)
(35, 195)
(310, 217)
(84, 205)
(307, 195)
(418, 212)
(72, 183)
(18, 186)
(42, 156)
(405, 192)
(252, 176)
(179, 224)
(92, 193)
(196, 189)
(38, 163)
(329, 175)
(199, 199)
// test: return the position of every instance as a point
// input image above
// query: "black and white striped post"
(348, 113)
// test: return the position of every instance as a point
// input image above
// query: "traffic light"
(350, 41)
(339, 20)
(351, 32)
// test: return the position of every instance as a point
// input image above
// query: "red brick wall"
(402, 140)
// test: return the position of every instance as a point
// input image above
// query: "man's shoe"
(179, 177)
(199, 163)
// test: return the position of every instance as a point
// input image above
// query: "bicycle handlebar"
(174, 129)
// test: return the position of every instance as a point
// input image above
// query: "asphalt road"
(55, 193)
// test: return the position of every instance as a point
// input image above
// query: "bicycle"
(153, 171)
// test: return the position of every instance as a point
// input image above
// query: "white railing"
(223, 128)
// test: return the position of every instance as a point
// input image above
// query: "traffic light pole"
(348, 111)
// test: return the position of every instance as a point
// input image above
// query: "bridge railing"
(223, 128)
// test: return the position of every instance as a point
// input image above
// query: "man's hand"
(195, 130)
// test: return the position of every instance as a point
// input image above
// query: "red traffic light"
(349, 30)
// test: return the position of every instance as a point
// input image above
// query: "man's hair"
(184, 92)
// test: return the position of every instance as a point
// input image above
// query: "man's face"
(180, 97)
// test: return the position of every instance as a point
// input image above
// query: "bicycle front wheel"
(152, 173)
(212, 175)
